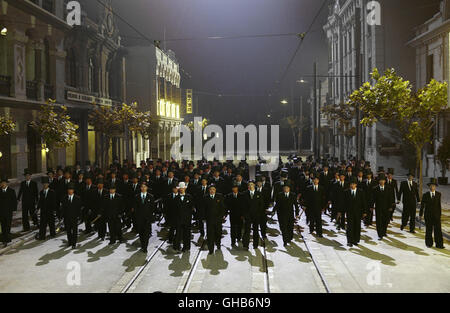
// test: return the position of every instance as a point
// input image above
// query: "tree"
(107, 122)
(297, 124)
(203, 123)
(344, 114)
(55, 127)
(443, 155)
(148, 125)
(390, 98)
(7, 125)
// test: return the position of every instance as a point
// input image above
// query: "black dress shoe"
(111, 243)
(144, 250)
(380, 238)
(74, 246)
(412, 231)
(441, 247)
(320, 236)
(355, 244)
(350, 245)
(401, 227)
(211, 252)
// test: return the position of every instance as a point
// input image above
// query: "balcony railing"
(5, 85)
(32, 90)
(48, 92)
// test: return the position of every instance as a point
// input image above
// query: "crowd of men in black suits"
(187, 194)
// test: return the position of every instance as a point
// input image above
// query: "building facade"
(41, 58)
(154, 83)
(356, 47)
(432, 47)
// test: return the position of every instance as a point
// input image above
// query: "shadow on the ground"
(136, 260)
(215, 262)
(373, 255)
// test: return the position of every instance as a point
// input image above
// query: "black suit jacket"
(355, 206)
(185, 208)
(215, 209)
(383, 200)
(409, 197)
(28, 194)
(47, 204)
(8, 202)
(235, 206)
(286, 207)
(113, 209)
(431, 207)
(71, 210)
(315, 201)
(144, 211)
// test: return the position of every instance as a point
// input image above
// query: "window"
(48, 5)
(92, 76)
(430, 67)
(71, 69)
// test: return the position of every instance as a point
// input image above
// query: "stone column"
(17, 47)
(84, 138)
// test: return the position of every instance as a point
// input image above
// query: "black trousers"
(5, 221)
(72, 232)
(236, 228)
(201, 227)
(333, 211)
(353, 229)
(100, 224)
(369, 218)
(213, 234)
(115, 229)
(47, 219)
(172, 233)
(287, 229)
(27, 211)
(382, 221)
(433, 225)
(409, 215)
(183, 235)
(144, 229)
(254, 226)
(87, 218)
(263, 225)
(341, 220)
(316, 222)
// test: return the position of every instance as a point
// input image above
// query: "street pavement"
(399, 263)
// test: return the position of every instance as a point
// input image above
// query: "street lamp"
(284, 101)
(4, 31)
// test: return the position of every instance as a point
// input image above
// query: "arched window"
(92, 75)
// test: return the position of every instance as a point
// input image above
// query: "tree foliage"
(344, 115)
(391, 98)
(55, 127)
(7, 125)
(203, 124)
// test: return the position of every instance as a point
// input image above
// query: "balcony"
(48, 92)
(32, 90)
(5, 85)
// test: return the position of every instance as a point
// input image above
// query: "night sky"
(246, 66)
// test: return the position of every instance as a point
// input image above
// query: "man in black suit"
(215, 213)
(355, 210)
(339, 199)
(392, 183)
(200, 194)
(431, 207)
(100, 194)
(383, 202)
(185, 209)
(265, 190)
(235, 209)
(254, 215)
(157, 184)
(170, 212)
(88, 195)
(144, 209)
(47, 206)
(71, 211)
(113, 208)
(219, 182)
(170, 182)
(8, 204)
(29, 194)
(409, 193)
(315, 204)
(239, 180)
(369, 187)
(125, 190)
(287, 209)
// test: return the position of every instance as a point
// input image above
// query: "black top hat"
(4, 179)
(341, 173)
(71, 186)
(45, 180)
(353, 180)
(433, 181)
(391, 171)
(87, 163)
(380, 168)
(100, 181)
(26, 172)
(369, 172)
(381, 177)
(284, 174)
(112, 186)
(411, 173)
